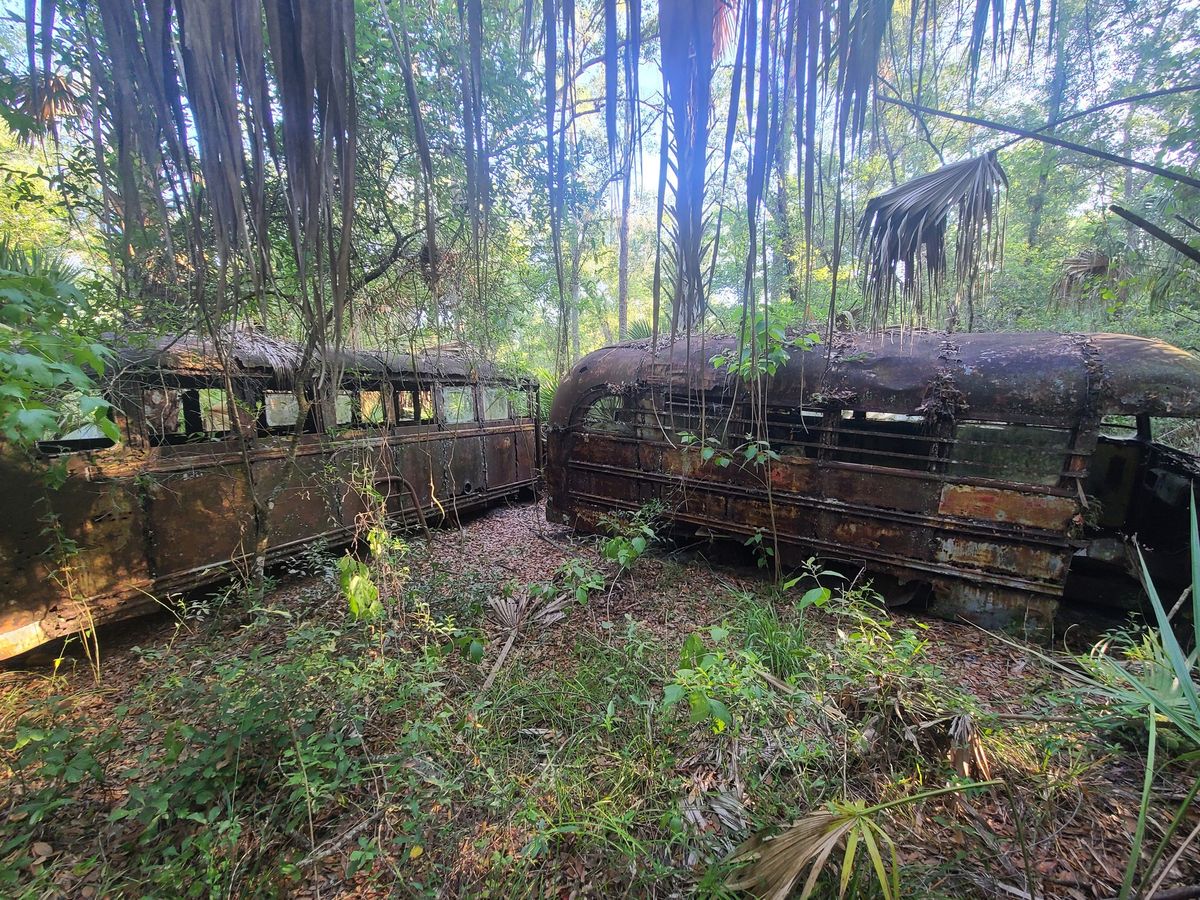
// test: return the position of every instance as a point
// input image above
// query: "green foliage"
(1152, 671)
(580, 579)
(360, 591)
(710, 678)
(763, 350)
(632, 534)
(709, 448)
(45, 387)
(761, 547)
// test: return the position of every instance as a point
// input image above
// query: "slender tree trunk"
(573, 292)
(623, 255)
(1058, 87)
(785, 256)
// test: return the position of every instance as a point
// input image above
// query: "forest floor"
(291, 749)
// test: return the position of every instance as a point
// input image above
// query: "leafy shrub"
(44, 385)
(710, 677)
(632, 534)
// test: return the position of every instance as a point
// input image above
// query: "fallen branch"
(334, 844)
(1154, 231)
(504, 651)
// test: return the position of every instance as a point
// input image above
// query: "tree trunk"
(623, 256)
(785, 257)
(573, 293)
(1058, 87)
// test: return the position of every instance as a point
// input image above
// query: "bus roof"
(1035, 377)
(255, 353)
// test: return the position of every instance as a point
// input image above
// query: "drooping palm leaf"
(902, 236)
(151, 60)
(686, 34)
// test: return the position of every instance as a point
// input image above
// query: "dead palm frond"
(902, 235)
(967, 753)
(778, 863)
(775, 864)
(513, 613)
(1078, 270)
(191, 93)
(686, 31)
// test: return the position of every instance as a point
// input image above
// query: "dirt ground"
(544, 789)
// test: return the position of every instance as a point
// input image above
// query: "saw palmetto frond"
(902, 235)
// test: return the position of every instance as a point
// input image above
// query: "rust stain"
(1043, 511)
(153, 516)
(873, 463)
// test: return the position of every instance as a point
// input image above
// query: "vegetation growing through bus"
(501, 708)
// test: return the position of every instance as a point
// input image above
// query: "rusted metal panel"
(462, 459)
(168, 512)
(880, 488)
(501, 459)
(792, 475)
(213, 501)
(527, 461)
(1032, 562)
(991, 520)
(1045, 511)
(1027, 614)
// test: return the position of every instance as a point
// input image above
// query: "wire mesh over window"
(495, 403)
(1024, 454)
(459, 404)
(890, 440)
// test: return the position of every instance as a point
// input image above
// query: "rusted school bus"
(977, 470)
(168, 509)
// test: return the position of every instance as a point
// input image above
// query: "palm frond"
(36, 264)
(1077, 271)
(902, 236)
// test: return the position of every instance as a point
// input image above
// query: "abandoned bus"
(976, 470)
(169, 508)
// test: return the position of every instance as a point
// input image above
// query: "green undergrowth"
(349, 742)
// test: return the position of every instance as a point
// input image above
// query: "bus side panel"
(501, 460)
(302, 507)
(199, 517)
(526, 453)
(418, 462)
(99, 537)
(463, 472)
(884, 490)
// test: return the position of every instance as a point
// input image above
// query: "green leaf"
(817, 596)
(699, 703)
(672, 694)
(720, 712)
(1171, 643)
(110, 428)
(848, 861)
(475, 651)
(876, 861)
(1195, 546)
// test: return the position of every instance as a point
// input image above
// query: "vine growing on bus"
(764, 352)
(632, 534)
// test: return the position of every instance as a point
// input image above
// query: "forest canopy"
(536, 180)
